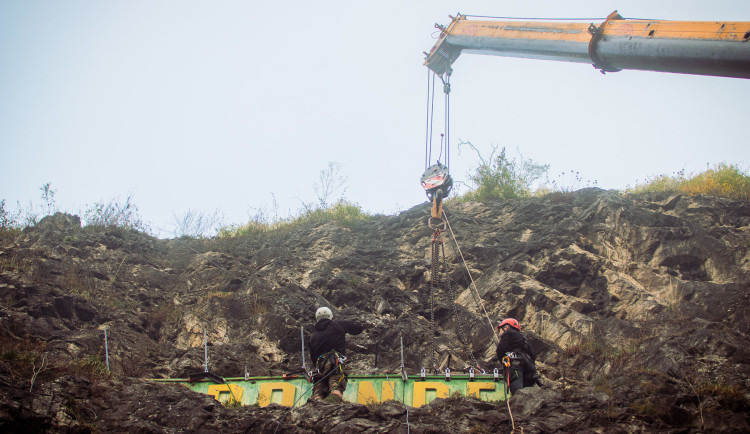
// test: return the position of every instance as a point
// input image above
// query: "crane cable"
(430, 117)
(437, 214)
(447, 89)
(430, 122)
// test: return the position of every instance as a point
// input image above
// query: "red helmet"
(513, 323)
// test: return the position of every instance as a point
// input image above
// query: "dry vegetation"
(723, 180)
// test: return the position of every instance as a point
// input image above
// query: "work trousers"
(331, 376)
(514, 375)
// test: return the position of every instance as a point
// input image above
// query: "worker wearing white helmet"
(328, 354)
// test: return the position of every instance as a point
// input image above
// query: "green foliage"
(724, 180)
(343, 213)
(252, 229)
(91, 367)
(501, 177)
(232, 402)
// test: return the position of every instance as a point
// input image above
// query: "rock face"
(638, 309)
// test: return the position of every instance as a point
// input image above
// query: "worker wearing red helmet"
(520, 371)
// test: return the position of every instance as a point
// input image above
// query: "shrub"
(90, 367)
(724, 180)
(343, 213)
(501, 177)
(251, 229)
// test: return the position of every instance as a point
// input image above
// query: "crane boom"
(687, 47)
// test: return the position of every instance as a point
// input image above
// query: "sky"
(237, 106)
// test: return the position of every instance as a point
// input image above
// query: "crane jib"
(687, 47)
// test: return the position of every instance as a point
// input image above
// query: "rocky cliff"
(637, 306)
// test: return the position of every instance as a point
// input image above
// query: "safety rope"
(403, 401)
(439, 272)
(461, 334)
(278, 422)
(472, 286)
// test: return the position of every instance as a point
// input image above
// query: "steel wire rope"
(278, 422)
(473, 285)
(461, 333)
(403, 401)
(430, 118)
(427, 123)
(447, 89)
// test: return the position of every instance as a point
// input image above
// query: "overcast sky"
(220, 105)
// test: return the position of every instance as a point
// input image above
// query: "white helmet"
(323, 313)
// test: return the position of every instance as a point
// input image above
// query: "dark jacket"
(513, 341)
(330, 335)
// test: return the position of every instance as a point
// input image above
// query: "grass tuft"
(343, 213)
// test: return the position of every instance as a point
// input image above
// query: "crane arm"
(687, 47)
